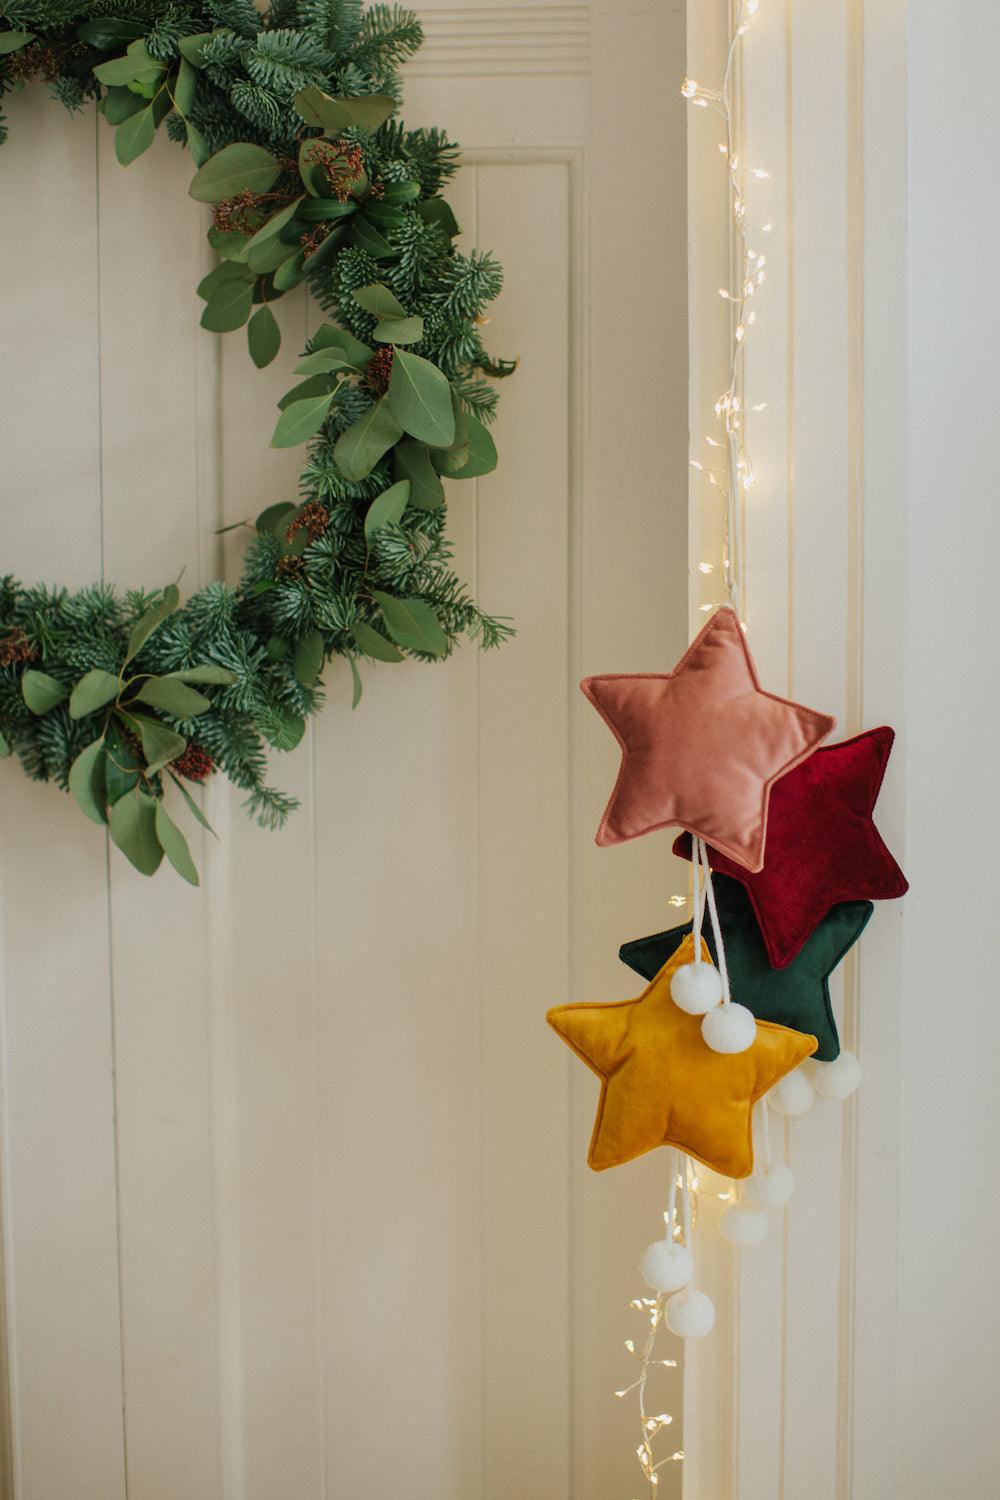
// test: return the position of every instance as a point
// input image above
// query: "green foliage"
(122, 699)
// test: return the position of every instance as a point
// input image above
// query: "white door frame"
(794, 1395)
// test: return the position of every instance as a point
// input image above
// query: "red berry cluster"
(380, 369)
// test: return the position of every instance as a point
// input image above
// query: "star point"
(703, 745)
(823, 847)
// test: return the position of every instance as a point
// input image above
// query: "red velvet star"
(702, 745)
(822, 846)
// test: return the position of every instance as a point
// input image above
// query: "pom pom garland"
(838, 1079)
(729, 1028)
(667, 1266)
(770, 1187)
(743, 1226)
(793, 1094)
(690, 1314)
(696, 988)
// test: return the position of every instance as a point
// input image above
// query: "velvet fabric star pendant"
(797, 996)
(703, 745)
(822, 846)
(662, 1086)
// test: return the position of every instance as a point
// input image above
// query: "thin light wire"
(751, 274)
(729, 410)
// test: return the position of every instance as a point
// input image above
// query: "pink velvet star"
(822, 847)
(702, 745)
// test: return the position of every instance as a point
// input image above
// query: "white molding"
(491, 40)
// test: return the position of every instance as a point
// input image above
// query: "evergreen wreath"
(289, 117)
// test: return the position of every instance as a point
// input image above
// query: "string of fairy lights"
(732, 481)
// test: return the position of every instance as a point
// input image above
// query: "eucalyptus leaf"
(119, 104)
(316, 385)
(359, 449)
(329, 336)
(230, 243)
(235, 169)
(412, 623)
(5, 747)
(325, 210)
(86, 781)
(438, 211)
(160, 745)
(121, 763)
(196, 144)
(263, 336)
(307, 662)
(301, 420)
(412, 461)
(207, 673)
(336, 115)
(134, 136)
(108, 32)
(369, 239)
(184, 86)
(373, 644)
(40, 691)
(290, 272)
(133, 828)
(420, 399)
(275, 518)
(446, 460)
(400, 192)
(92, 692)
(324, 362)
(147, 623)
(482, 452)
(387, 507)
(10, 41)
(276, 223)
(175, 845)
(358, 686)
(268, 256)
(192, 48)
(120, 71)
(192, 805)
(399, 330)
(229, 270)
(173, 697)
(379, 300)
(228, 307)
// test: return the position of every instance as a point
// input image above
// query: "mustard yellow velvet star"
(662, 1086)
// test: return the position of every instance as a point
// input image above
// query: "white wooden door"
(294, 1194)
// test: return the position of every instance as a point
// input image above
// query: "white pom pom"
(696, 988)
(771, 1189)
(793, 1094)
(666, 1266)
(729, 1028)
(837, 1079)
(742, 1226)
(690, 1314)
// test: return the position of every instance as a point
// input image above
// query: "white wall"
(949, 1270)
(857, 1343)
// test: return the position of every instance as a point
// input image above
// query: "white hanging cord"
(685, 1201)
(701, 853)
(765, 1134)
(671, 1214)
(698, 899)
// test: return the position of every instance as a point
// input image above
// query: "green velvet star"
(798, 995)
